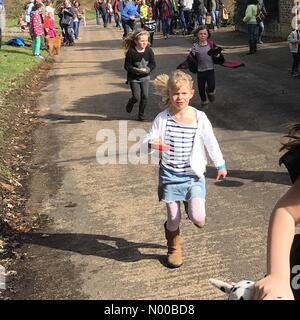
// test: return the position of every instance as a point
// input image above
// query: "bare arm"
(284, 218)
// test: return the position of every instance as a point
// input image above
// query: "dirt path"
(103, 237)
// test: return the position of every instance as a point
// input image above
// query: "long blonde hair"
(165, 84)
(129, 41)
(293, 137)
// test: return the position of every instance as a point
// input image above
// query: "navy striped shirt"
(180, 138)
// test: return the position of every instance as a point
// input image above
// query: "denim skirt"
(175, 187)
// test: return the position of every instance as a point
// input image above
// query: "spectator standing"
(36, 30)
(250, 19)
(118, 7)
(96, 7)
(261, 14)
(78, 15)
(66, 16)
(294, 45)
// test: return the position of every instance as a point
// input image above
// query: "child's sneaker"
(39, 56)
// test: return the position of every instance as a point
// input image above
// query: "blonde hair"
(132, 37)
(293, 137)
(165, 84)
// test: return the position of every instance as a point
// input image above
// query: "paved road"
(103, 234)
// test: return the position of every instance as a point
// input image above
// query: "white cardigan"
(204, 139)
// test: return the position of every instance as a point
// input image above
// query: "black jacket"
(135, 60)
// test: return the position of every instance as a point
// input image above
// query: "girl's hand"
(221, 174)
(272, 287)
(156, 144)
(153, 141)
(142, 70)
(139, 70)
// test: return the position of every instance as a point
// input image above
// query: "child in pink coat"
(36, 30)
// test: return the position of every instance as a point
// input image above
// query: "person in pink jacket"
(49, 26)
(36, 30)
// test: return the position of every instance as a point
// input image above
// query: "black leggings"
(206, 83)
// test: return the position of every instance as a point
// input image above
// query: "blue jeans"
(68, 34)
(182, 19)
(104, 18)
(107, 19)
(187, 16)
(166, 24)
(126, 25)
(261, 28)
(97, 17)
(198, 20)
(251, 27)
(117, 16)
(76, 27)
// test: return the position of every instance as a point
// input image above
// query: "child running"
(188, 132)
(139, 62)
(294, 45)
(205, 65)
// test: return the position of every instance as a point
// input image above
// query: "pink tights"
(196, 212)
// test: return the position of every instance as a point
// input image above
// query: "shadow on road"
(89, 244)
(255, 176)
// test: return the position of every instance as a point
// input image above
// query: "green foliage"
(14, 62)
(4, 172)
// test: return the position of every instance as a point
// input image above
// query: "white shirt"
(204, 140)
(188, 4)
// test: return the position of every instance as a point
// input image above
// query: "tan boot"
(174, 258)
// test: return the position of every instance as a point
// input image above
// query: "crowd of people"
(167, 15)
(39, 17)
(181, 130)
